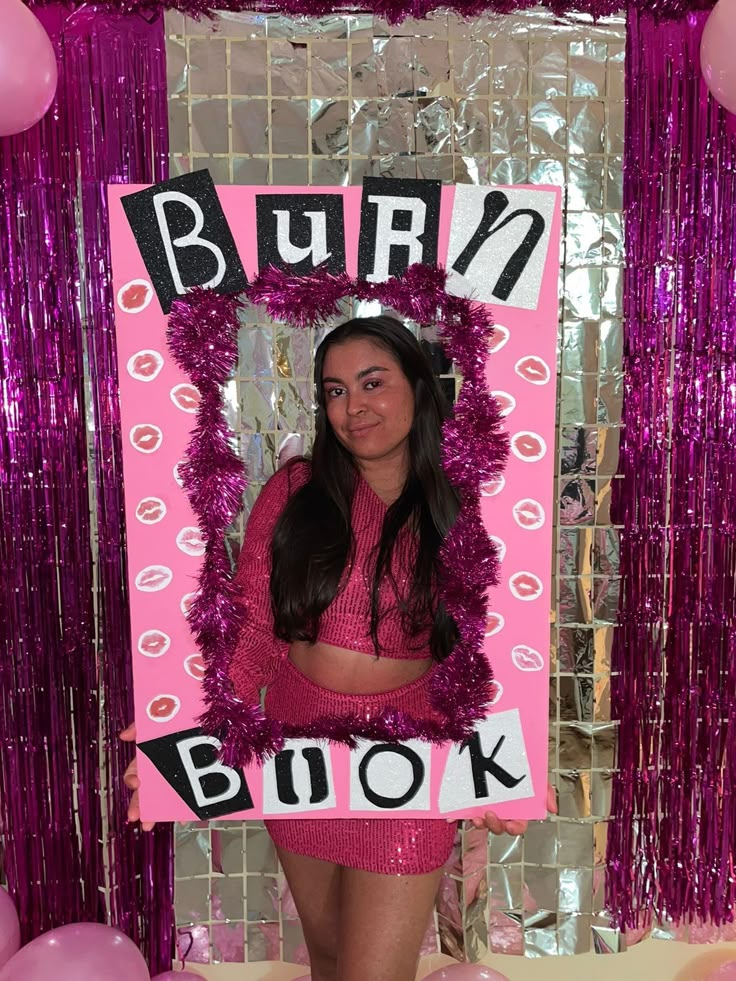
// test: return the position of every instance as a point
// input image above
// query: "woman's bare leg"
(315, 886)
(383, 920)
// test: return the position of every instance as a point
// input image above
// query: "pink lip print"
(490, 488)
(528, 446)
(145, 365)
(186, 603)
(525, 586)
(194, 666)
(500, 547)
(499, 338)
(529, 514)
(494, 624)
(150, 510)
(190, 541)
(135, 296)
(526, 658)
(497, 694)
(506, 402)
(154, 643)
(162, 708)
(533, 369)
(185, 397)
(177, 472)
(153, 578)
(146, 437)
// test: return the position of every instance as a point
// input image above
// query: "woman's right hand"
(132, 782)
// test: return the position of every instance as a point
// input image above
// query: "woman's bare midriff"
(353, 672)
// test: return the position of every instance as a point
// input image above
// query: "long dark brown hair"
(313, 539)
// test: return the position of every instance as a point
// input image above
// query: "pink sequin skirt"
(388, 845)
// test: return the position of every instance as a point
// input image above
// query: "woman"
(338, 580)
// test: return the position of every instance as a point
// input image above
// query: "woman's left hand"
(498, 826)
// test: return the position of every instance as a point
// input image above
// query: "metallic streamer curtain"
(673, 830)
(65, 685)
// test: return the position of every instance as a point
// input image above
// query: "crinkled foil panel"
(267, 99)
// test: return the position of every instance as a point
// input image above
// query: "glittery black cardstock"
(187, 760)
(301, 232)
(399, 226)
(184, 238)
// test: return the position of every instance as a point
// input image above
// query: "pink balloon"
(464, 972)
(178, 976)
(717, 53)
(76, 951)
(9, 928)
(28, 72)
(726, 972)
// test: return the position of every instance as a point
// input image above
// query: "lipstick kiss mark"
(533, 369)
(146, 437)
(528, 446)
(526, 658)
(153, 578)
(162, 708)
(154, 643)
(526, 586)
(145, 365)
(135, 296)
(528, 514)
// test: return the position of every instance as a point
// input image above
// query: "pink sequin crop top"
(346, 622)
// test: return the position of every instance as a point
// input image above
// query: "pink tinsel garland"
(202, 336)
(395, 11)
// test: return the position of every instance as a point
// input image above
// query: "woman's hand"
(132, 782)
(499, 827)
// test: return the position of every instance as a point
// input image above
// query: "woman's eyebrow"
(361, 374)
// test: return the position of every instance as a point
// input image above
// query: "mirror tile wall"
(266, 99)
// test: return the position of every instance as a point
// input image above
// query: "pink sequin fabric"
(346, 622)
(388, 845)
(392, 846)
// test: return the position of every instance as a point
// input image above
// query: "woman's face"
(368, 399)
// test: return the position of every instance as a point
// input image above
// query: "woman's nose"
(355, 403)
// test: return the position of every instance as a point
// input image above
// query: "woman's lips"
(362, 430)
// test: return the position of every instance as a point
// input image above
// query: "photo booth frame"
(192, 264)
(202, 337)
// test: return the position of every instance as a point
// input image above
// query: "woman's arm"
(259, 654)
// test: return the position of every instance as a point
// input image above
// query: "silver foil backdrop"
(266, 99)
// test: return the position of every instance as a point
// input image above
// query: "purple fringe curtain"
(672, 838)
(65, 681)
